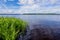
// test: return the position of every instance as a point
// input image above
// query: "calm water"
(52, 20)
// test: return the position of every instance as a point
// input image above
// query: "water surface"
(52, 20)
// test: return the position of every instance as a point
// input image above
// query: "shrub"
(10, 27)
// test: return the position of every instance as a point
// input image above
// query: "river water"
(38, 19)
(35, 21)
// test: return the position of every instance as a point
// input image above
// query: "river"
(35, 21)
(52, 20)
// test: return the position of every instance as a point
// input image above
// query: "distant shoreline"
(30, 14)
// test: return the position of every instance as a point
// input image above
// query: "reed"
(10, 27)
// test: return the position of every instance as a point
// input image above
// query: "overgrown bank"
(11, 27)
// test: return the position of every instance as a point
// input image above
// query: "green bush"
(10, 27)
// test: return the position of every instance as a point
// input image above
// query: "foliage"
(10, 27)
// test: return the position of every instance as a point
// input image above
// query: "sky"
(30, 6)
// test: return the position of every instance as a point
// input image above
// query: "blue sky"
(31, 6)
(12, 3)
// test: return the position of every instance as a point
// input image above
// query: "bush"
(10, 27)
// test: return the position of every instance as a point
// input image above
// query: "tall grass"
(10, 27)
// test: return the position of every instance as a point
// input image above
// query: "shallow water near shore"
(37, 21)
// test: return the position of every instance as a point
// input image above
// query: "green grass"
(10, 27)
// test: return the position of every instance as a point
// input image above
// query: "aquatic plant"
(10, 27)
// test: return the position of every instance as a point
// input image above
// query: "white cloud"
(32, 7)
(22, 1)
